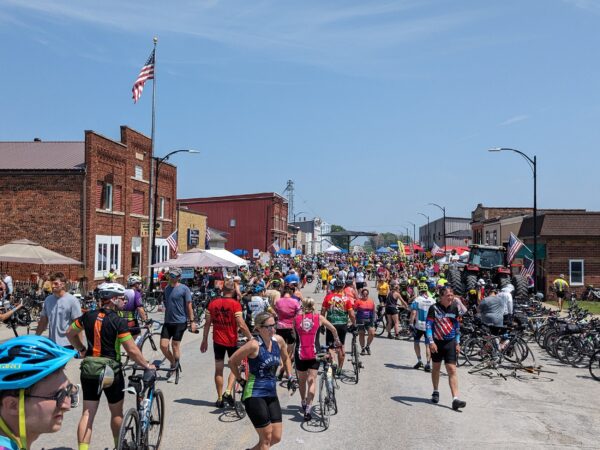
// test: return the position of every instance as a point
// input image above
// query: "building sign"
(193, 237)
(187, 273)
(145, 229)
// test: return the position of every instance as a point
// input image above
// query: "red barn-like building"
(252, 221)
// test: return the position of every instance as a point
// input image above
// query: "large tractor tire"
(470, 281)
(521, 291)
(503, 281)
(455, 281)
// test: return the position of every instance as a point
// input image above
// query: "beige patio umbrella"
(25, 251)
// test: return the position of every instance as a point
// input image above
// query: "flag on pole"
(172, 241)
(147, 73)
(401, 249)
(274, 247)
(207, 240)
(435, 249)
(527, 269)
(514, 245)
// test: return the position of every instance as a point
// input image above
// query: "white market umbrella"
(25, 251)
(204, 258)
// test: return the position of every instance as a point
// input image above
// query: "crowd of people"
(259, 314)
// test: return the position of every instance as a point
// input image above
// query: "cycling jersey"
(421, 305)
(383, 288)
(223, 312)
(134, 301)
(365, 311)
(442, 323)
(337, 307)
(286, 309)
(7, 444)
(560, 285)
(262, 381)
(255, 306)
(307, 327)
(105, 331)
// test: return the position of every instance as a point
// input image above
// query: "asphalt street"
(389, 408)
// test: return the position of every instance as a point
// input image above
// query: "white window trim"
(582, 272)
(138, 175)
(162, 250)
(108, 240)
(161, 208)
(108, 199)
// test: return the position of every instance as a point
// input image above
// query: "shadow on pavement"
(409, 400)
(197, 402)
(295, 412)
(397, 366)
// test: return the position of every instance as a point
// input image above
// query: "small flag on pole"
(527, 269)
(401, 249)
(207, 240)
(147, 73)
(274, 247)
(172, 241)
(436, 249)
(514, 245)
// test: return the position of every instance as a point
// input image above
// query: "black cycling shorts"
(288, 335)
(263, 411)
(391, 310)
(173, 331)
(560, 294)
(446, 351)
(382, 298)
(114, 393)
(304, 365)
(360, 285)
(369, 323)
(341, 329)
(418, 334)
(220, 351)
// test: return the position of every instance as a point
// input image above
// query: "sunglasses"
(269, 327)
(71, 391)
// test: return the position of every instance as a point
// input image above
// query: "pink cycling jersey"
(286, 309)
(307, 327)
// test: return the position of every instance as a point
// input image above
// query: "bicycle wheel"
(150, 303)
(130, 431)
(238, 392)
(200, 316)
(517, 351)
(355, 359)
(561, 348)
(594, 366)
(156, 422)
(324, 402)
(380, 326)
(151, 348)
(474, 351)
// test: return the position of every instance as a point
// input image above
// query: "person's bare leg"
(84, 429)
(264, 438)
(116, 418)
(164, 347)
(435, 375)
(452, 379)
(219, 366)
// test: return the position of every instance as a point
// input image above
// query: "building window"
(139, 173)
(495, 237)
(487, 237)
(161, 250)
(137, 202)
(232, 223)
(117, 203)
(161, 208)
(108, 255)
(576, 272)
(104, 195)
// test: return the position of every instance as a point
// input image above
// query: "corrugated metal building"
(252, 221)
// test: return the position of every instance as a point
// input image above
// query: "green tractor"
(487, 262)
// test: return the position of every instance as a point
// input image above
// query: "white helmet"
(107, 291)
(134, 279)
(481, 282)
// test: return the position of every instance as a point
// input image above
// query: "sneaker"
(457, 404)
(397, 338)
(435, 397)
(418, 365)
(390, 336)
(427, 367)
(363, 352)
(220, 403)
(307, 416)
(338, 372)
(228, 399)
(171, 377)
(368, 349)
(280, 376)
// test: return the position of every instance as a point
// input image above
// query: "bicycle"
(354, 353)
(327, 385)
(151, 300)
(594, 366)
(318, 287)
(143, 425)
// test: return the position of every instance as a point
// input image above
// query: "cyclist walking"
(443, 337)
(179, 315)
(133, 305)
(264, 354)
(35, 393)
(418, 319)
(365, 315)
(560, 287)
(338, 309)
(105, 332)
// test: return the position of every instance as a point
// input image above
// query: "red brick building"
(87, 200)
(569, 244)
(252, 221)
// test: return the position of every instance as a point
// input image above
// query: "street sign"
(193, 237)
(145, 229)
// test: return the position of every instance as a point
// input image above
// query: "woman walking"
(264, 354)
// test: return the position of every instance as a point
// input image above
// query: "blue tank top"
(262, 381)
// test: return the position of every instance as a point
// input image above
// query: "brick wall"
(44, 207)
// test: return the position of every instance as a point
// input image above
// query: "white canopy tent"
(204, 258)
(333, 249)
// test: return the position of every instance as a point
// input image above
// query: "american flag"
(436, 249)
(172, 241)
(147, 73)
(207, 240)
(514, 245)
(527, 269)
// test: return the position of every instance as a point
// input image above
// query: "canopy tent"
(332, 249)
(283, 251)
(383, 250)
(240, 252)
(204, 258)
(27, 252)
(394, 246)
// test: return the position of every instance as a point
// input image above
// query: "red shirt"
(337, 307)
(223, 312)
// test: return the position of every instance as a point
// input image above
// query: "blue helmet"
(258, 289)
(25, 360)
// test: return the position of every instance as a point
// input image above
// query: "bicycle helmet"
(175, 272)
(539, 296)
(134, 279)
(349, 282)
(258, 289)
(423, 278)
(107, 291)
(338, 284)
(276, 284)
(423, 287)
(25, 360)
(481, 282)
(442, 275)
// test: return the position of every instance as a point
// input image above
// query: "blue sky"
(374, 108)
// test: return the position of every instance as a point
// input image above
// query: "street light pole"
(298, 213)
(533, 166)
(428, 239)
(414, 230)
(443, 208)
(158, 162)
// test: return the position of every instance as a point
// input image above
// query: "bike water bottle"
(145, 409)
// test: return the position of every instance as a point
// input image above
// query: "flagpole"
(151, 218)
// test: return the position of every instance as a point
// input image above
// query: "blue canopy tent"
(284, 251)
(383, 250)
(240, 252)
(394, 246)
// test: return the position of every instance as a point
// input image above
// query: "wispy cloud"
(311, 32)
(515, 119)
(588, 5)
